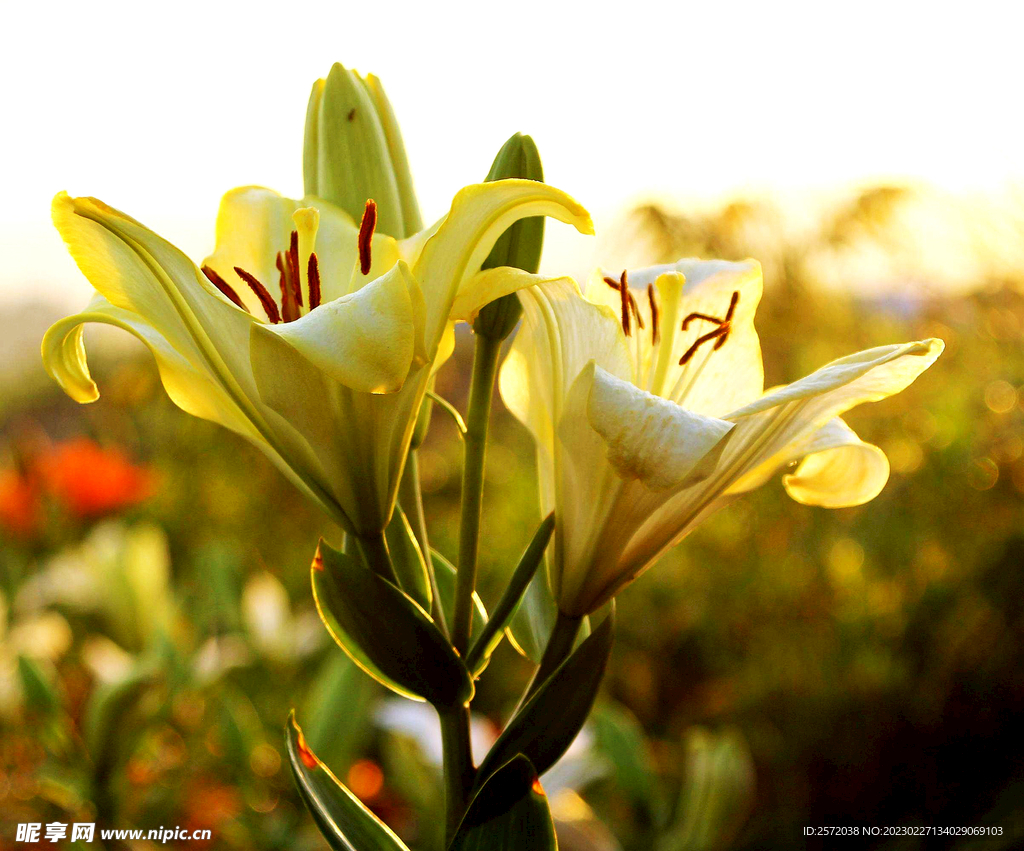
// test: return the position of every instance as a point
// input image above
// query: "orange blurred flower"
(82, 477)
(91, 481)
(20, 504)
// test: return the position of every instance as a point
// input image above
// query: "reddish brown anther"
(293, 267)
(721, 333)
(366, 228)
(728, 318)
(224, 287)
(313, 273)
(289, 309)
(261, 292)
(624, 301)
(653, 300)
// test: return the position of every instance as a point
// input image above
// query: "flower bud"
(353, 151)
(520, 245)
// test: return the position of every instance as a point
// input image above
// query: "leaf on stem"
(445, 573)
(510, 812)
(386, 632)
(341, 817)
(550, 720)
(480, 651)
(407, 558)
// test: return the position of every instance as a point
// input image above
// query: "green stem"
(485, 363)
(375, 551)
(410, 495)
(559, 646)
(458, 765)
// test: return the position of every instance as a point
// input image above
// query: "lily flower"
(305, 332)
(647, 406)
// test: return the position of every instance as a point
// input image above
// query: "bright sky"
(157, 108)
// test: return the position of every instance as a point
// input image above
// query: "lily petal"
(772, 431)
(365, 340)
(479, 215)
(649, 438)
(491, 284)
(189, 384)
(838, 470)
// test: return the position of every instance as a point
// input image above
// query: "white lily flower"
(646, 403)
(308, 334)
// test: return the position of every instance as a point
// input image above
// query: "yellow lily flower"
(647, 406)
(309, 335)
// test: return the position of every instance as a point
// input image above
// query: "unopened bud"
(353, 151)
(520, 246)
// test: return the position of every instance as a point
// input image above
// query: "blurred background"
(786, 666)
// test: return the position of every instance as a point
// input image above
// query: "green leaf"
(341, 817)
(481, 649)
(509, 813)
(716, 795)
(40, 694)
(444, 573)
(385, 632)
(407, 558)
(521, 245)
(549, 721)
(619, 737)
(336, 709)
(534, 619)
(106, 710)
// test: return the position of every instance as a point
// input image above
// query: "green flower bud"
(520, 245)
(353, 151)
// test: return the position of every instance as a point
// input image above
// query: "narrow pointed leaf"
(377, 623)
(407, 559)
(549, 722)
(39, 691)
(444, 573)
(510, 812)
(344, 821)
(508, 605)
(534, 619)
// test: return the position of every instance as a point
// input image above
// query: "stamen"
(261, 292)
(732, 305)
(289, 309)
(313, 273)
(628, 302)
(720, 331)
(366, 228)
(293, 267)
(636, 311)
(624, 298)
(655, 332)
(704, 316)
(224, 287)
(728, 318)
